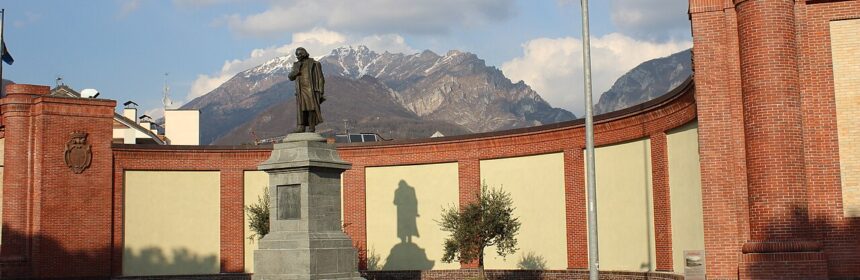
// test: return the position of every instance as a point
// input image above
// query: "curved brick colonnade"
(87, 217)
(648, 120)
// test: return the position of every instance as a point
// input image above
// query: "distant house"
(128, 128)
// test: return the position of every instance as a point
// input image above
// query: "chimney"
(130, 110)
(146, 122)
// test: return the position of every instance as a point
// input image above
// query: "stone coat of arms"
(78, 154)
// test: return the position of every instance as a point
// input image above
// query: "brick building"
(754, 160)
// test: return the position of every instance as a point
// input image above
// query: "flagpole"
(593, 259)
(2, 48)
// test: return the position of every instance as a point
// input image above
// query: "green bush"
(258, 216)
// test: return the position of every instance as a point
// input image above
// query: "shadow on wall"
(531, 261)
(55, 259)
(96, 262)
(407, 255)
(840, 238)
(154, 261)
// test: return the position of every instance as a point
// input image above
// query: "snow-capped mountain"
(454, 93)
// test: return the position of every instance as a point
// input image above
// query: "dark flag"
(5, 55)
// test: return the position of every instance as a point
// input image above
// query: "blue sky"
(124, 47)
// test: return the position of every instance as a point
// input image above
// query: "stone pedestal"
(305, 239)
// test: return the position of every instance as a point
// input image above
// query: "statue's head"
(301, 53)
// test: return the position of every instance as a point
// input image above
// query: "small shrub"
(374, 260)
(258, 216)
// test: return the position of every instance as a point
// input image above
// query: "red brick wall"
(771, 173)
(773, 131)
(15, 108)
(66, 225)
(466, 274)
(230, 161)
(721, 146)
(840, 235)
(469, 178)
(662, 203)
(575, 203)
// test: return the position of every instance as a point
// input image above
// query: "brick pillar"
(778, 212)
(721, 134)
(354, 201)
(232, 221)
(469, 174)
(575, 203)
(67, 220)
(773, 120)
(662, 201)
(17, 234)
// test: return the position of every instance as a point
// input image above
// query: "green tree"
(489, 221)
(258, 216)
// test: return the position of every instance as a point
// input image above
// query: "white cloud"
(651, 19)
(127, 7)
(154, 113)
(29, 18)
(198, 3)
(318, 41)
(372, 16)
(553, 66)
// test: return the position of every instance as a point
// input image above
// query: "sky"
(123, 48)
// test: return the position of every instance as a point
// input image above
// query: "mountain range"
(395, 95)
(404, 96)
(646, 81)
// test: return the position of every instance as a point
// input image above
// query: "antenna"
(165, 92)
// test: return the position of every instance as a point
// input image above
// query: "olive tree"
(486, 222)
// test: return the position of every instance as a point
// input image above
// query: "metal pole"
(593, 258)
(2, 50)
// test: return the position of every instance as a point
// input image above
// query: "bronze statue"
(308, 75)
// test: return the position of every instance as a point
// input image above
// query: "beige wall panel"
(685, 193)
(172, 223)
(255, 184)
(845, 45)
(624, 204)
(536, 184)
(403, 203)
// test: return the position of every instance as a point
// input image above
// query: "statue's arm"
(295, 71)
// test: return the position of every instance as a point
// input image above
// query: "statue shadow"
(406, 255)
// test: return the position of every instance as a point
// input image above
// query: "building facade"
(754, 161)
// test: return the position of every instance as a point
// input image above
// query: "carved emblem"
(78, 153)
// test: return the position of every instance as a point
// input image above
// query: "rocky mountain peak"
(278, 65)
(455, 93)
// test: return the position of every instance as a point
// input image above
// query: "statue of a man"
(308, 75)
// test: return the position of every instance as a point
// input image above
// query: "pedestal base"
(310, 255)
(305, 240)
